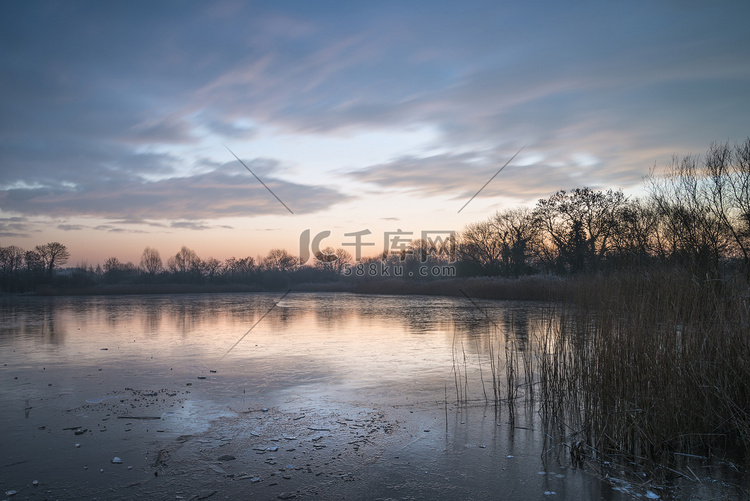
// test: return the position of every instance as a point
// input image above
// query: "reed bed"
(649, 364)
(645, 366)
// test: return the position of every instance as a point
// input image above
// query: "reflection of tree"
(51, 332)
(38, 320)
(196, 314)
(516, 322)
(152, 318)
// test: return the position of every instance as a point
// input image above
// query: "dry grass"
(635, 368)
(648, 364)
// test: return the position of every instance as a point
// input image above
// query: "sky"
(119, 120)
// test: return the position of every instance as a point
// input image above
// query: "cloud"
(17, 227)
(125, 230)
(227, 128)
(139, 221)
(458, 177)
(171, 129)
(71, 227)
(228, 192)
(93, 94)
(190, 225)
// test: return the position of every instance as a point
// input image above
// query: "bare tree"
(184, 261)
(112, 265)
(53, 255)
(11, 259)
(279, 260)
(691, 204)
(729, 173)
(343, 257)
(243, 266)
(212, 266)
(480, 246)
(325, 259)
(518, 235)
(637, 236)
(115, 270)
(332, 260)
(151, 261)
(580, 224)
(34, 262)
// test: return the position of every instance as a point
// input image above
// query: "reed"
(648, 364)
(641, 367)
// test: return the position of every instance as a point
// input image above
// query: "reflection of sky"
(114, 114)
(356, 341)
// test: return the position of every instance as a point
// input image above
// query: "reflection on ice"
(330, 395)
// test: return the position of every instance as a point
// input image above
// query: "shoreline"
(534, 288)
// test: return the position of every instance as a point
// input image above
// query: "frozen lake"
(325, 395)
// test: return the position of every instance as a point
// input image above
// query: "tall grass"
(648, 364)
(511, 370)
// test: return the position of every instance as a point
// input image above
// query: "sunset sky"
(115, 117)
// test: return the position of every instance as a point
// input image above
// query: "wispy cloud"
(190, 225)
(225, 192)
(15, 227)
(71, 227)
(112, 112)
(456, 177)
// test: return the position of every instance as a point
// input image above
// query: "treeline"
(694, 215)
(27, 271)
(24, 270)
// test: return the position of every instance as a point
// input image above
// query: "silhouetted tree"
(279, 260)
(518, 235)
(481, 248)
(211, 266)
(332, 260)
(729, 172)
(580, 224)
(117, 271)
(151, 261)
(11, 262)
(637, 237)
(34, 268)
(184, 261)
(111, 265)
(693, 229)
(239, 267)
(53, 255)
